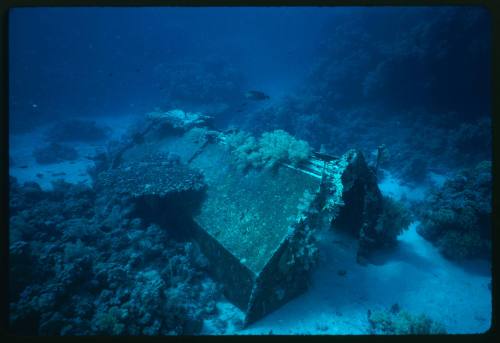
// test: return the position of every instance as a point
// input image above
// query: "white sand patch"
(455, 294)
(391, 186)
(437, 180)
(25, 168)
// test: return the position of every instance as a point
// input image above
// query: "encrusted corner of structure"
(354, 199)
(156, 187)
(155, 173)
(287, 273)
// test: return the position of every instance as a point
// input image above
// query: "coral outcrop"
(400, 322)
(75, 271)
(457, 216)
(269, 151)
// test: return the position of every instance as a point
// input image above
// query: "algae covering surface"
(249, 213)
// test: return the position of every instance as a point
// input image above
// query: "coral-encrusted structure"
(353, 201)
(255, 226)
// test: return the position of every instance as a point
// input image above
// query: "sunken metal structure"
(256, 228)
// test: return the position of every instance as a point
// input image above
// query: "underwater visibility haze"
(249, 170)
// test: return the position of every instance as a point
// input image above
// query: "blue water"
(416, 80)
(91, 60)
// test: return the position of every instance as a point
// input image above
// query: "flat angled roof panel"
(249, 214)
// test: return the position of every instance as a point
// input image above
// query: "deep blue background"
(106, 61)
(102, 60)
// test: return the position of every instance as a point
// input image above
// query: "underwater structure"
(256, 228)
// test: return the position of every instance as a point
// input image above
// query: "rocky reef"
(81, 269)
(269, 151)
(457, 216)
(396, 321)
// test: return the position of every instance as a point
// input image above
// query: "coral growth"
(271, 149)
(394, 219)
(156, 174)
(78, 271)
(395, 89)
(400, 322)
(471, 140)
(457, 217)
